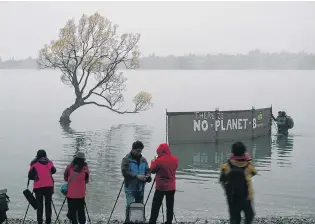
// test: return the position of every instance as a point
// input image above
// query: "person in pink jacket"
(77, 188)
(41, 172)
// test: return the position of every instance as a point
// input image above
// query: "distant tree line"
(255, 60)
(28, 63)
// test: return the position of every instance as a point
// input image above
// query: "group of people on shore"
(235, 179)
(76, 174)
(137, 173)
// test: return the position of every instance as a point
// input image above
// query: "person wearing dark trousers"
(41, 172)
(40, 194)
(78, 173)
(235, 179)
(76, 210)
(157, 202)
(164, 166)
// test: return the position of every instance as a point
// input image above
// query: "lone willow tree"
(88, 55)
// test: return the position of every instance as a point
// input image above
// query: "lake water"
(32, 101)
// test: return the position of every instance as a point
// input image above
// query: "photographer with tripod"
(164, 166)
(135, 170)
(77, 175)
(41, 172)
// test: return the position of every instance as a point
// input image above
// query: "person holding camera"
(164, 167)
(135, 170)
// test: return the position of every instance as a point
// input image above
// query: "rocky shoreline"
(267, 220)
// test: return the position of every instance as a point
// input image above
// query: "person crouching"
(165, 169)
(77, 188)
(235, 179)
(41, 172)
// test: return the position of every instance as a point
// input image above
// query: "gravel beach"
(275, 220)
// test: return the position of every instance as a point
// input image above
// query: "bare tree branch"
(102, 105)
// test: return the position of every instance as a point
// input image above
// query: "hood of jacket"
(43, 160)
(240, 161)
(163, 150)
(139, 158)
(77, 168)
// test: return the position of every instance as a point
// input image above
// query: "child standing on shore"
(235, 179)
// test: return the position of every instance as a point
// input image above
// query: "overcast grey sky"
(167, 27)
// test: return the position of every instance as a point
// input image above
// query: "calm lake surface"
(32, 101)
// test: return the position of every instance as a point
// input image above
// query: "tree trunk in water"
(65, 116)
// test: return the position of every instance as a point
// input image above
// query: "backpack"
(30, 196)
(289, 122)
(4, 200)
(237, 186)
(136, 210)
(135, 213)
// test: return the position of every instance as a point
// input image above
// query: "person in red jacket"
(41, 172)
(77, 188)
(164, 166)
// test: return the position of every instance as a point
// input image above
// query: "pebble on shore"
(267, 220)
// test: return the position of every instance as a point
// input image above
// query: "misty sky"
(167, 27)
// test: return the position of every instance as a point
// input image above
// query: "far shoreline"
(163, 69)
(252, 60)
